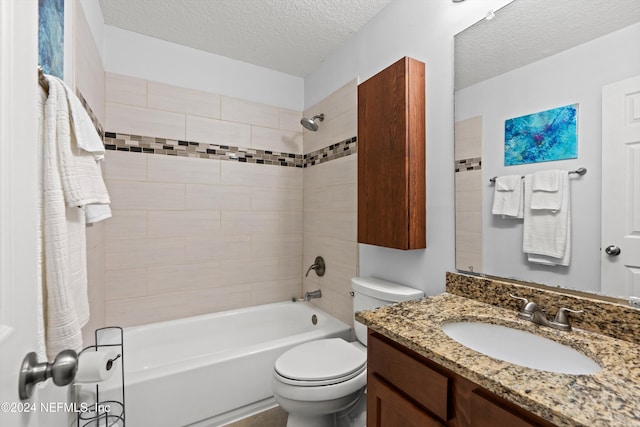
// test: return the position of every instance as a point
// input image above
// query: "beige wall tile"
(467, 201)
(127, 195)
(338, 225)
(468, 138)
(174, 278)
(334, 251)
(140, 311)
(469, 260)
(313, 141)
(125, 166)
(276, 199)
(254, 175)
(344, 126)
(89, 70)
(469, 181)
(126, 225)
(336, 172)
(283, 141)
(129, 253)
(275, 291)
(469, 221)
(218, 197)
(95, 291)
(182, 170)
(344, 198)
(241, 111)
(317, 199)
(123, 284)
(210, 248)
(290, 120)
(142, 121)
(213, 131)
(183, 223)
(251, 222)
(182, 100)
(95, 234)
(127, 90)
(282, 245)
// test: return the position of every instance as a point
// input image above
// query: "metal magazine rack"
(106, 403)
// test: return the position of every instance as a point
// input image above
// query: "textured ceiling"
(292, 36)
(526, 31)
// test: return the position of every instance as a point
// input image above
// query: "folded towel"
(547, 189)
(507, 198)
(546, 233)
(548, 180)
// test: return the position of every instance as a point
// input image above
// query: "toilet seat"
(321, 362)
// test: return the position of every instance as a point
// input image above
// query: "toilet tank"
(371, 292)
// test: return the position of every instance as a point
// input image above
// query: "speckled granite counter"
(609, 398)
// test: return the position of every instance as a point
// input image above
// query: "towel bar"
(579, 171)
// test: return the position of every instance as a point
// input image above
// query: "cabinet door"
(391, 157)
(387, 408)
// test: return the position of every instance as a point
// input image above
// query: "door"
(18, 205)
(620, 250)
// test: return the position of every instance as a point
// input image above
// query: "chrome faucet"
(532, 312)
(318, 266)
(308, 296)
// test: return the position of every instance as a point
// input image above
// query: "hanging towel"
(507, 198)
(547, 191)
(41, 347)
(547, 233)
(72, 180)
(87, 140)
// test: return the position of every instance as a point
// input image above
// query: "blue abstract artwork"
(51, 36)
(542, 137)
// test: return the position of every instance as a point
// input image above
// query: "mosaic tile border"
(471, 164)
(332, 152)
(172, 147)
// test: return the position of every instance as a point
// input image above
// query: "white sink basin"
(520, 348)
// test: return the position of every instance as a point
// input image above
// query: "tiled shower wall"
(193, 235)
(89, 83)
(330, 204)
(468, 156)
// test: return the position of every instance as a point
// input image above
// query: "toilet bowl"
(320, 382)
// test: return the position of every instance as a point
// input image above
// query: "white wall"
(423, 30)
(574, 76)
(136, 55)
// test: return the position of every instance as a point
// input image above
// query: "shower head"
(311, 123)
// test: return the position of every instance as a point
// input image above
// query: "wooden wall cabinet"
(391, 157)
(406, 389)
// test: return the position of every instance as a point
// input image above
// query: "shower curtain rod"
(579, 171)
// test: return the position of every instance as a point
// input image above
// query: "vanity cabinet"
(406, 389)
(391, 157)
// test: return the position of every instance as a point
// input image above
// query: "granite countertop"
(610, 397)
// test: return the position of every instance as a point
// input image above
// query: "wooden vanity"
(407, 389)
(419, 376)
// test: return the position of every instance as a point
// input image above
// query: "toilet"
(322, 383)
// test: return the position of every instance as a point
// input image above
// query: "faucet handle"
(561, 315)
(524, 300)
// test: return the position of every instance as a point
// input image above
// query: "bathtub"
(216, 368)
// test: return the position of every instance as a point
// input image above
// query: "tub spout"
(318, 266)
(308, 296)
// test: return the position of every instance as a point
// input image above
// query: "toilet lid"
(321, 360)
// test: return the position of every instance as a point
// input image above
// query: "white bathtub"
(210, 369)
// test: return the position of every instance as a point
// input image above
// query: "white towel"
(507, 198)
(66, 313)
(547, 233)
(88, 140)
(41, 347)
(547, 189)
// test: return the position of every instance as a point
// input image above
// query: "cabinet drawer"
(487, 413)
(427, 387)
